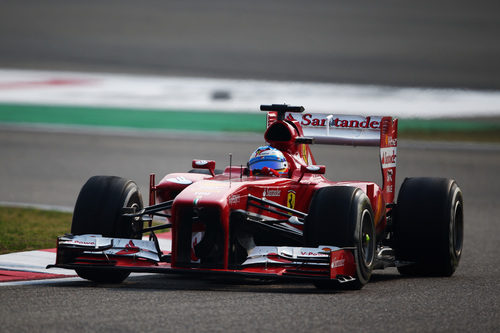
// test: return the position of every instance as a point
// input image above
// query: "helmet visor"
(276, 165)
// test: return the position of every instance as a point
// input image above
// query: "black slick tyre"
(429, 226)
(342, 216)
(98, 210)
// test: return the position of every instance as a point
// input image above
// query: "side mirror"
(312, 169)
(204, 164)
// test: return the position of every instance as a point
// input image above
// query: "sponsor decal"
(312, 254)
(389, 141)
(311, 120)
(264, 151)
(207, 191)
(389, 180)
(271, 193)
(337, 263)
(202, 193)
(388, 157)
(115, 246)
(342, 263)
(234, 199)
(389, 175)
(94, 241)
(196, 237)
(130, 248)
(179, 180)
(82, 242)
(301, 252)
(304, 154)
(201, 162)
(290, 199)
(275, 257)
(286, 254)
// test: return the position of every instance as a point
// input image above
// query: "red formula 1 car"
(277, 218)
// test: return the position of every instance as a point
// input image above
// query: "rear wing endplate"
(353, 130)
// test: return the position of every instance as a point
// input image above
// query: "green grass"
(25, 229)
(132, 118)
(473, 129)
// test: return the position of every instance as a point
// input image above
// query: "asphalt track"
(447, 43)
(51, 167)
(424, 43)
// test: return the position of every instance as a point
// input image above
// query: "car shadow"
(159, 282)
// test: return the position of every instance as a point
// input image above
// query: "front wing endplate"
(133, 255)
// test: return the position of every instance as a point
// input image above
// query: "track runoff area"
(55, 100)
(62, 99)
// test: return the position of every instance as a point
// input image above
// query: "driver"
(268, 161)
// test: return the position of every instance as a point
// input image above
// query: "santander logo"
(309, 120)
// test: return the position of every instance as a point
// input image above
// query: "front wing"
(269, 262)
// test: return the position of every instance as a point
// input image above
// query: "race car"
(276, 218)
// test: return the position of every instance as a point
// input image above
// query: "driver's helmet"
(265, 158)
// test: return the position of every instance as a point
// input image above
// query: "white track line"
(155, 93)
(32, 261)
(56, 208)
(44, 281)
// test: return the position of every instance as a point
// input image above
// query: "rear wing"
(352, 130)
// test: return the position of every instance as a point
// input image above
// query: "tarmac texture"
(50, 168)
(417, 43)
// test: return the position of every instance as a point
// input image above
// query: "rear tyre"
(429, 226)
(342, 216)
(98, 210)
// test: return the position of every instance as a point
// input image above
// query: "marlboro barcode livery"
(278, 217)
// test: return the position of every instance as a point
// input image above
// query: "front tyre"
(98, 210)
(429, 226)
(342, 216)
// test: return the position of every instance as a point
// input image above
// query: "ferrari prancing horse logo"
(290, 199)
